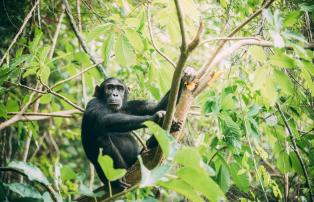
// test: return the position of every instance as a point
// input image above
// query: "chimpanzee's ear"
(98, 92)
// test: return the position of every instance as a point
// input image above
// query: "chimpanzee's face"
(115, 93)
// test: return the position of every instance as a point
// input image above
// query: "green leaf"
(258, 53)
(107, 47)
(291, 18)
(183, 188)
(190, 157)
(295, 163)
(269, 92)
(3, 111)
(135, 40)
(241, 181)
(166, 141)
(282, 60)
(24, 190)
(284, 82)
(67, 173)
(201, 183)
(230, 130)
(98, 31)
(12, 106)
(32, 172)
(33, 46)
(45, 99)
(283, 162)
(308, 66)
(223, 178)
(261, 76)
(44, 73)
(124, 53)
(106, 164)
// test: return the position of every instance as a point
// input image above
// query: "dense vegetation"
(248, 136)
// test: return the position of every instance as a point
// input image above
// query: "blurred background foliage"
(241, 130)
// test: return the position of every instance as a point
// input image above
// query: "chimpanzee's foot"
(123, 184)
(176, 126)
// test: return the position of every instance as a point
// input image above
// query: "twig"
(227, 39)
(80, 37)
(296, 150)
(28, 16)
(152, 38)
(63, 114)
(195, 42)
(74, 76)
(47, 187)
(49, 90)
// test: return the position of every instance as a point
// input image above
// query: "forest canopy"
(247, 114)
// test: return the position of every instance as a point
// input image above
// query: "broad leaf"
(125, 55)
(106, 163)
(32, 172)
(183, 188)
(201, 183)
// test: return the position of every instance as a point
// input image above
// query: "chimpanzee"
(109, 120)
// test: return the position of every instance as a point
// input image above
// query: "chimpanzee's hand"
(159, 117)
(176, 126)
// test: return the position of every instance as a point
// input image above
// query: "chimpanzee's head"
(113, 92)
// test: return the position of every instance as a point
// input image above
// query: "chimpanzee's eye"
(120, 88)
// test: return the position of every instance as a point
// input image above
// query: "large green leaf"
(240, 180)
(32, 172)
(183, 188)
(284, 82)
(282, 60)
(283, 162)
(230, 129)
(67, 173)
(24, 190)
(223, 178)
(201, 183)
(257, 53)
(125, 55)
(135, 40)
(106, 163)
(166, 141)
(107, 47)
(190, 157)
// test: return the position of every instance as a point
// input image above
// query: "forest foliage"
(248, 136)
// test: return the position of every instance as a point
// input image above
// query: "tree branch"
(49, 90)
(80, 37)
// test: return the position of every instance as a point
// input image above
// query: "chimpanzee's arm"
(142, 107)
(120, 122)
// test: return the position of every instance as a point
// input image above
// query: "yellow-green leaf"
(106, 164)
(125, 55)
